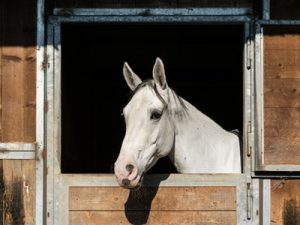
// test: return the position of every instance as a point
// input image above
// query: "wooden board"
(154, 218)
(281, 38)
(282, 122)
(17, 192)
(166, 198)
(164, 205)
(281, 52)
(282, 92)
(285, 202)
(282, 95)
(283, 150)
(17, 108)
(278, 66)
(282, 132)
(17, 49)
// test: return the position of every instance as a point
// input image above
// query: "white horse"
(160, 123)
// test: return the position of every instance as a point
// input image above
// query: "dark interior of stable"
(204, 65)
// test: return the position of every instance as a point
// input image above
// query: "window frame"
(260, 168)
(58, 184)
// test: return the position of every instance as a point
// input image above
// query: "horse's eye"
(155, 115)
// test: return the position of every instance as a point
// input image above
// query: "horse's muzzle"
(127, 176)
(125, 182)
(133, 186)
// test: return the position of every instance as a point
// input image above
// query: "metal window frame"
(17, 150)
(260, 166)
(265, 201)
(266, 9)
(58, 184)
(215, 11)
(41, 59)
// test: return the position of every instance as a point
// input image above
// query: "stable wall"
(163, 205)
(17, 108)
(282, 95)
(282, 117)
(17, 72)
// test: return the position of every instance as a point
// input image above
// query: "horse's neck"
(202, 146)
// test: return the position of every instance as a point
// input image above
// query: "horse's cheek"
(167, 137)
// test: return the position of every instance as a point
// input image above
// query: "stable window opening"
(204, 65)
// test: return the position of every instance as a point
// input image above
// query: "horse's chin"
(138, 185)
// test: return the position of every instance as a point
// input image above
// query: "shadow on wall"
(291, 213)
(138, 204)
(12, 200)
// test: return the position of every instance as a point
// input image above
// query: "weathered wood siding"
(17, 107)
(17, 71)
(285, 202)
(164, 205)
(282, 95)
(17, 192)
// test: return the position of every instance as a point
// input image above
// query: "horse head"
(150, 130)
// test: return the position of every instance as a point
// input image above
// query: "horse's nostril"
(125, 182)
(129, 168)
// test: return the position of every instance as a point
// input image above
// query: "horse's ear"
(131, 78)
(159, 75)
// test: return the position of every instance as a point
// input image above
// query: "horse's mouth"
(138, 185)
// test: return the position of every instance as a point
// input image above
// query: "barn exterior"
(34, 190)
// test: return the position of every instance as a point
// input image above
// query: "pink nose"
(126, 182)
(127, 176)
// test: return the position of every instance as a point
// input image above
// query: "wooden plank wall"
(17, 72)
(17, 107)
(164, 205)
(282, 116)
(282, 95)
(285, 202)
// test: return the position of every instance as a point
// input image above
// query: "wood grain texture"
(1, 74)
(18, 70)
(282, 38)
(165, 198)
(282, 122)
(282, 150)
(155, 217)
(17, 99)
(29, 88)
(17, 191)
(285, 202)
(282, 92)
(152, 205)
(281, 95)
(282, 136)
(12, 94)
(281, 63)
